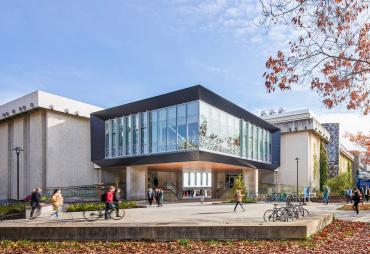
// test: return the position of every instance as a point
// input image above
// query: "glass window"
(128, 140)
(114, 138)
(192, 122)
(120, 136)
(223, 132)
(153, 131)
(162, 130)
(181, 126)
(243, 145)
(171, 129)
(107, 139)
(135, 129)
(255, 146)
(144, 133)
(236, 137)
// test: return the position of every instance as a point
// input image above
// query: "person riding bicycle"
(108, 199)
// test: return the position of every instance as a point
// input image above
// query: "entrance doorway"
(230, 180)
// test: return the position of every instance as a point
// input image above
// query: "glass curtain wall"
(186, 126)
(227, 134)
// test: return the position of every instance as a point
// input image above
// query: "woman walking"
(56, 202)
(238, 199)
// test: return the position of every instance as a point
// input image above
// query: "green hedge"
(80, 207)
(14, 208)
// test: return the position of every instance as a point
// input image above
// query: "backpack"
(103, 197)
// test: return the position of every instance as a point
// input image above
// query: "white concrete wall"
(36, 150)
(4, 153)
(136, 178)
(295, 144)
(68, 151)
(250, 177)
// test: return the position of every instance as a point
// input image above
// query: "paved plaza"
(197, 214)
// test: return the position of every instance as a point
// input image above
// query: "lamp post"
(18, 151)
(297, 159)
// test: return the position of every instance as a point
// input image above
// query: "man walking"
(238, 199)
(202, 194)
(35, 202)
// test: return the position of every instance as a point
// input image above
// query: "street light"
(297, 159)
(18, 151)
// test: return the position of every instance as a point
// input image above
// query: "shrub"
(340, 184)
(80, 207)
(14, 208)
(239, 184)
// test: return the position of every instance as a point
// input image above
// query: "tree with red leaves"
(331, 52)
(362, 141)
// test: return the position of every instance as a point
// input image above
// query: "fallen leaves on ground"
(349, 207)
(338, 237)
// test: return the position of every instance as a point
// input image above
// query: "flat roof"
(45, 100)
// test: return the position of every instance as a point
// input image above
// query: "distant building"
(301, 135)
(55, 134)
(339, 158)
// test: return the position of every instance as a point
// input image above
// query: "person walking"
(202, 194)
(356, 199)
(326, 194)
(56, 202)
(367, 193)
(108, 199)
(117, 200)
(158, 195)
(35, 202)
(238, 199)
(162, 197)
(150, 196)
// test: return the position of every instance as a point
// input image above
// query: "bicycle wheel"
(268, 215)
(304, 212)
(281, 215)
(92, 215)
(117, 215)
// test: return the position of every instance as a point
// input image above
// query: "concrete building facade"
(301, 135)
(54, 133)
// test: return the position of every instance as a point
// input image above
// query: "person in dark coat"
(35, 201)
(150, 196)
(158, 196)
(117, 199)
(356, 199)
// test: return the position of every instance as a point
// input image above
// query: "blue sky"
(112, 52)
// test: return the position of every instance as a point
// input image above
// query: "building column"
(250, 177)
(136, 182)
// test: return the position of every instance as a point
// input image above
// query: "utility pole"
(18, 151)
(297, 159)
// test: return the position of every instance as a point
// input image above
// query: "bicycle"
(112, 213)
(275, 214)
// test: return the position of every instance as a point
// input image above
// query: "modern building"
(301, 135)
(339, 158)
(183, 141)
(54, 133)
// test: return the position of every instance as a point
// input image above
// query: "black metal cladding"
(193, 93)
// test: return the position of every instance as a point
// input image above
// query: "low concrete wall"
(98, 231)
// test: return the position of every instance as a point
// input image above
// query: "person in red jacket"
(109, 201)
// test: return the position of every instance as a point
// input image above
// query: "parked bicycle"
(285, 213)
(112, 213)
